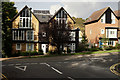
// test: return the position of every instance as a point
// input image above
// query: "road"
(74, 67)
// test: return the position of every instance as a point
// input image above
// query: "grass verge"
(80, 53)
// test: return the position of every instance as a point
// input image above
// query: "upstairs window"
(102, 31)
(101, 20)
(43, 34)
(18, 34)
(30, 35)
(25, 18)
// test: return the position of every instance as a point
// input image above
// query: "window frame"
(17, 46)
(31, 44)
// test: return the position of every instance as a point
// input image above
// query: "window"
(102, 31)
(118, 41)
(111, 43)
(29, 47)
(43, 34)
(43, 16)
(25, 18)
(111, 33)
(18, 34)
(102, 20)
(30, 35)
(113, 21)
(90, 31)
(18, 46)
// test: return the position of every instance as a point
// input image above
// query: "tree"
(8, 12)
(84, 39)
(59, 34)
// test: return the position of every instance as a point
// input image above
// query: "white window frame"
(90, 31)
(43, 34)
(111, 42)
(109, 35)
(118, 41)
(17, 46)
(30, 44)
(18, 37)
(102, 31)
(30, 35)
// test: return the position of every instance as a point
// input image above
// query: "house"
(61, 16)
(29, 30)
(102, 24)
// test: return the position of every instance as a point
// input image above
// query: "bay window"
(30, 35)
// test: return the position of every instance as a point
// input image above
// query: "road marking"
(23, 68)
(112, 69)
(65, 62)
(10, 64)
(47, 65)
(56, 70)
(42, 63)
(33, 63)
(17, 64)
(70, 78)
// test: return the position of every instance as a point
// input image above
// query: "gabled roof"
(97, 15)
(21, 11)
(60, 10)
(41, 19)
(117, 13)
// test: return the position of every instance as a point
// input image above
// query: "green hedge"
(27, 53)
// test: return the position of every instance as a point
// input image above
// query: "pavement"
(75, 67)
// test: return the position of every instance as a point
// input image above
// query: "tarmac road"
(74, 67)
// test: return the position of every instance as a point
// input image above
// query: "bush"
(109, 48)
(94, 49)
(81, 48)
(117, 46)
(40, 52)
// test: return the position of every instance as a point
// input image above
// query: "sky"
(78, 9)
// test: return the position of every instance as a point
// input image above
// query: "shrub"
(109, 48)
(117, 46)
(40, 52)
(81, 48)
(94, 49)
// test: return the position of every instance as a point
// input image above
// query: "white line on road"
(17, 64)
(33, 63)
(70, 78)
(23, 68)
(56, 70)
(48, 65)
(10, 64)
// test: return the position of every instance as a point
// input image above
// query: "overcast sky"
(77, 8)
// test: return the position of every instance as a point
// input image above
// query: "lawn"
(97, 52)
(80, 53)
